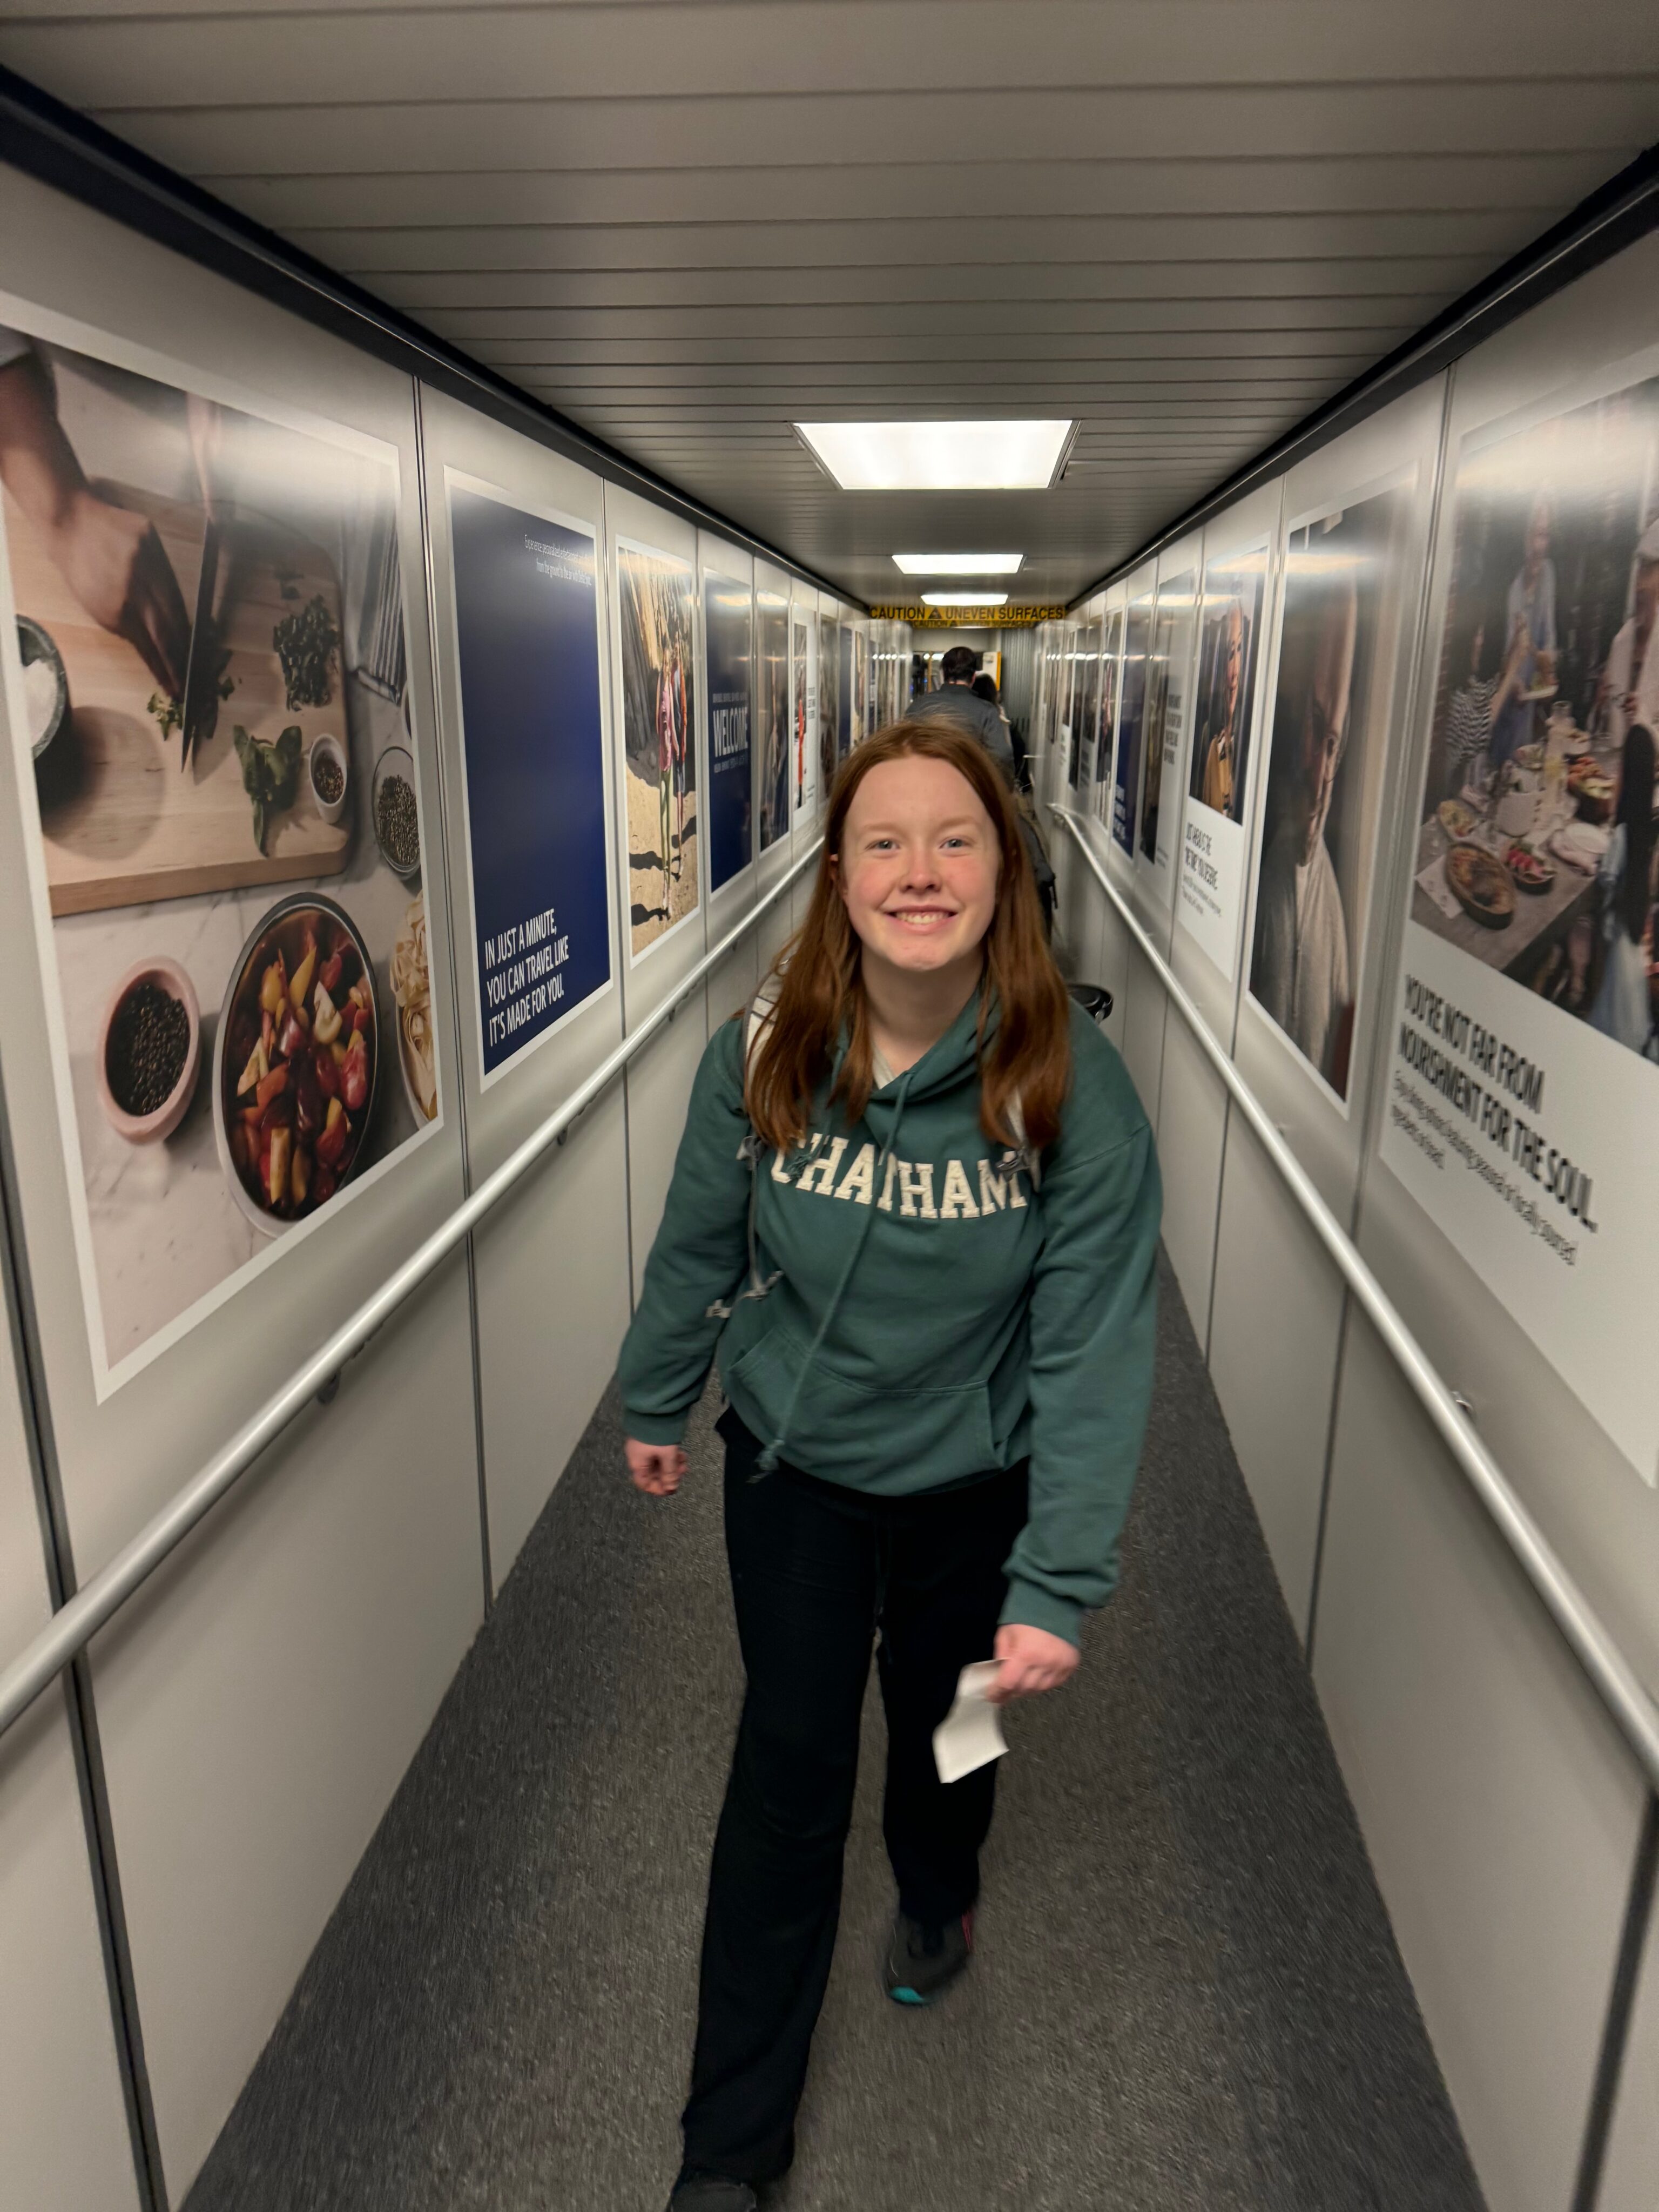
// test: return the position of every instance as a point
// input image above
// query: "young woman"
(916, 1208)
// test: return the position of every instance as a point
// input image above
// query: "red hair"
(1025, 1064)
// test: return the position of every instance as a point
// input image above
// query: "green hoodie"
(917, 1308)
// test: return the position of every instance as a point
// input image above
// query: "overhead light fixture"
(938, 456)
(964, 598)
(958, 564)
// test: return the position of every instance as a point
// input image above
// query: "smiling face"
(919, 864)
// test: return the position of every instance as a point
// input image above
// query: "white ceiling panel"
(1184, 224)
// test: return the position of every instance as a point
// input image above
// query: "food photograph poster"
(1344, 602)
(1213, 841)
(206, 682)
(1523, 1070)
(657, 630)
(527, 649)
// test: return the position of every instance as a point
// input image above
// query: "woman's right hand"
(657, 1470)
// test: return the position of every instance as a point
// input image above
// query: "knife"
(200, 707)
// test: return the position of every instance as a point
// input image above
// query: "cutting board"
(119, 822)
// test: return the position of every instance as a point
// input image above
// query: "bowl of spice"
(46, 685)
(397, 818)
(327, 768)
(150, 1052)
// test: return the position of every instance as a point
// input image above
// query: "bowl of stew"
(295, 1062)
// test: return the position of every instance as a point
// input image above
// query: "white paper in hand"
(970, 1735)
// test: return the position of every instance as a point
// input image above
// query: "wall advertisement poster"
(828, 700)
(1086, 704)
(1343, 603)
(844, 692)
(1111, 669)
(803, 706)
(772, 714)
(527, 649)
(205, 681)
(1524, 1067)
(1213, 843)
(1168, 682)
(1131, 721)
(657, 626)
(727, 646)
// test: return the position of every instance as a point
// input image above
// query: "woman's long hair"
(1025, 1062)
(1635, 893)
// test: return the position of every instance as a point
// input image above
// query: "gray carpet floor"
(1185, 1993)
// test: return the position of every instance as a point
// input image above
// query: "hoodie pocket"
(890, 1438)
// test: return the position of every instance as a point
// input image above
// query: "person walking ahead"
(958, 702)
(916, 1208)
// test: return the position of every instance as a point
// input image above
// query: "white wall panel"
(1501, 1808)
(63, 2123)
(259, 1701)
(1630, 2175)
(253, 1730)
(1143, 1009)
(1276, 1327)
(1192, 1129)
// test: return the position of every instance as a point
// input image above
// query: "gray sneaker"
(922, 1962)
(711, 2192)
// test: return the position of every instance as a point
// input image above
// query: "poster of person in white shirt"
(1535, 846)
(1329, 713)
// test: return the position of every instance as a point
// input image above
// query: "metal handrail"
(81, 1617)
(1621, 1688)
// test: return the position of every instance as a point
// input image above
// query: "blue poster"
(528, 636)
(726, 633)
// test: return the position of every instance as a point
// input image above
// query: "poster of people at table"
(1212, 868)
(1344, 600)
(205, 683)
(771, 714)
(1524, 1077)
(727, 643)
(527, 647)
(656, 620)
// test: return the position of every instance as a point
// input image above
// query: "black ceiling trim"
(1614, 216)
(60, 147)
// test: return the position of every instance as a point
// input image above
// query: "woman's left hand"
(1032, 1660)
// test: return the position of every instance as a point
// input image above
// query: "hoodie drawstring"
(773, 1452)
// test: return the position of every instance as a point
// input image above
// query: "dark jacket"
(956, 703)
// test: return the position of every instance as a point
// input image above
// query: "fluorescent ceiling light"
(938, 456)
(958, 564)
(964, 598)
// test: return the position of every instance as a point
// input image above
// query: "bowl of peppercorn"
(397, 818)
(150, 1052)
(327, 767)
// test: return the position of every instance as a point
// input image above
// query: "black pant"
(816, 1570)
